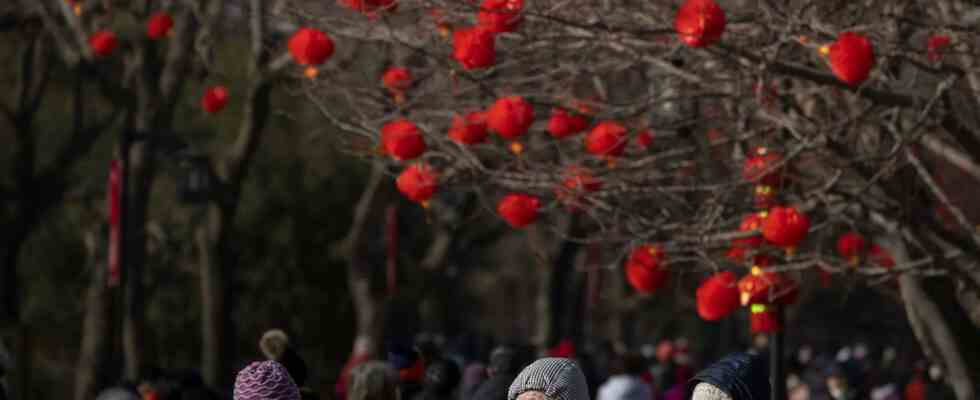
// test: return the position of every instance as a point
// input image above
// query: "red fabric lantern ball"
(751, 222)
(607, 139)
(851, 58)
(518, 209)
(397, 79)
(310, 47)
(469, 130)
(418, 182)
(371, 7)
(851, 246)
(785, 226)
(159, 25)
(718, 296)
(644, 139)
(215, 99)
(563, 124)
(766, 287)
(762, 319)
(500, 15)
(510, 117)
(103, 43)
(474, 47)
(700, 23)
(759, 168)
(880, 256)
(937, 45)
(644, 269)
(402, 140)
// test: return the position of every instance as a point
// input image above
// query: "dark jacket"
(494, 388)
(742, 376)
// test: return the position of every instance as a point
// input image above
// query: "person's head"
(503, 361)
(267, 380)
(373, 380)
(274, 343)
(665, 351)
(550, 379)
(739, 376)
(441, 377)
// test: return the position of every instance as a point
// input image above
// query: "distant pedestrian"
(627, 382)
(550, 379)
(373, 380)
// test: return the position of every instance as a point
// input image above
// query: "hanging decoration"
(518, 209)
(851, 58)
(718, 296)
(740, 246)
(936, 46)
(644, 269)
(851, 246)
(474, 47)
(103, 43)
(700, 23)
(785, 227)
(469, 130)
(511, 117)
(402, 140)
(397, 80)
(215, 99)
(563, 124)
(159, 26)
(310, 47)
(499, 16)
(644, 139)
(418, 182)
(607, 140)
(760, 168)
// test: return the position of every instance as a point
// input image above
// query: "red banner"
(113, 198)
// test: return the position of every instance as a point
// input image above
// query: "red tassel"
(763, 319)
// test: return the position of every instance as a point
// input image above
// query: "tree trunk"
(214, 282)
(931, 329)
(90, 371)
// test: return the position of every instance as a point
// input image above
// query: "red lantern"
(474, 47)
(402, 140)
(564, 124)
(519, 210)
(851, 58)
(880, 256)
(717, 296)
(215, 99)
(764, 196)
(500, 15)
(700, 23)
(371, 7)
(644, 139)
(159, 25)
(418, 183)
(850, 246)
(766, 287)
(310, 47)
(785, 227)
(397, 80)
(469, 130)
(762, 319)
(510, 117)
(581, 180)
(761, 168)
(937, 46)
(644, 271)
(751, 222)
(608, 139)
(103, 43)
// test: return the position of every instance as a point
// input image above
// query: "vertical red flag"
(113, 198)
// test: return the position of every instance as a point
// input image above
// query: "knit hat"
(557, 378)
(267, 380)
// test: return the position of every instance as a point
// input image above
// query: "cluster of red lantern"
(418, 182)
(511, 117)
(519, 209)
(103, 43)
(310, 47)
(700, 23)
(563, 123)
(475, 47)
(607, 140)
(761, 169)
(785, 227)
(469, 130)
(762, 291)
(397, 80)
(499, 16)
(851, 57)
(645, 271)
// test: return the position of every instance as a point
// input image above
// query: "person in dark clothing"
(440, 382)
(739, 376)
(503, 368)
(275, 345)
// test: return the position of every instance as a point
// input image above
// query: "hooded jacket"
(742, 376)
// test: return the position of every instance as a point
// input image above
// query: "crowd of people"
(666, 371)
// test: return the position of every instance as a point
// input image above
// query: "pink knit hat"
(267, 380)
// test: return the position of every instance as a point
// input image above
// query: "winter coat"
(742, 376)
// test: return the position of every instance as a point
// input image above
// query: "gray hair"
(373, 380)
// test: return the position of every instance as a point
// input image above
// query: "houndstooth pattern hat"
(556, 378)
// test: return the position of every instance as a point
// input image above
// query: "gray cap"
(556, 378)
